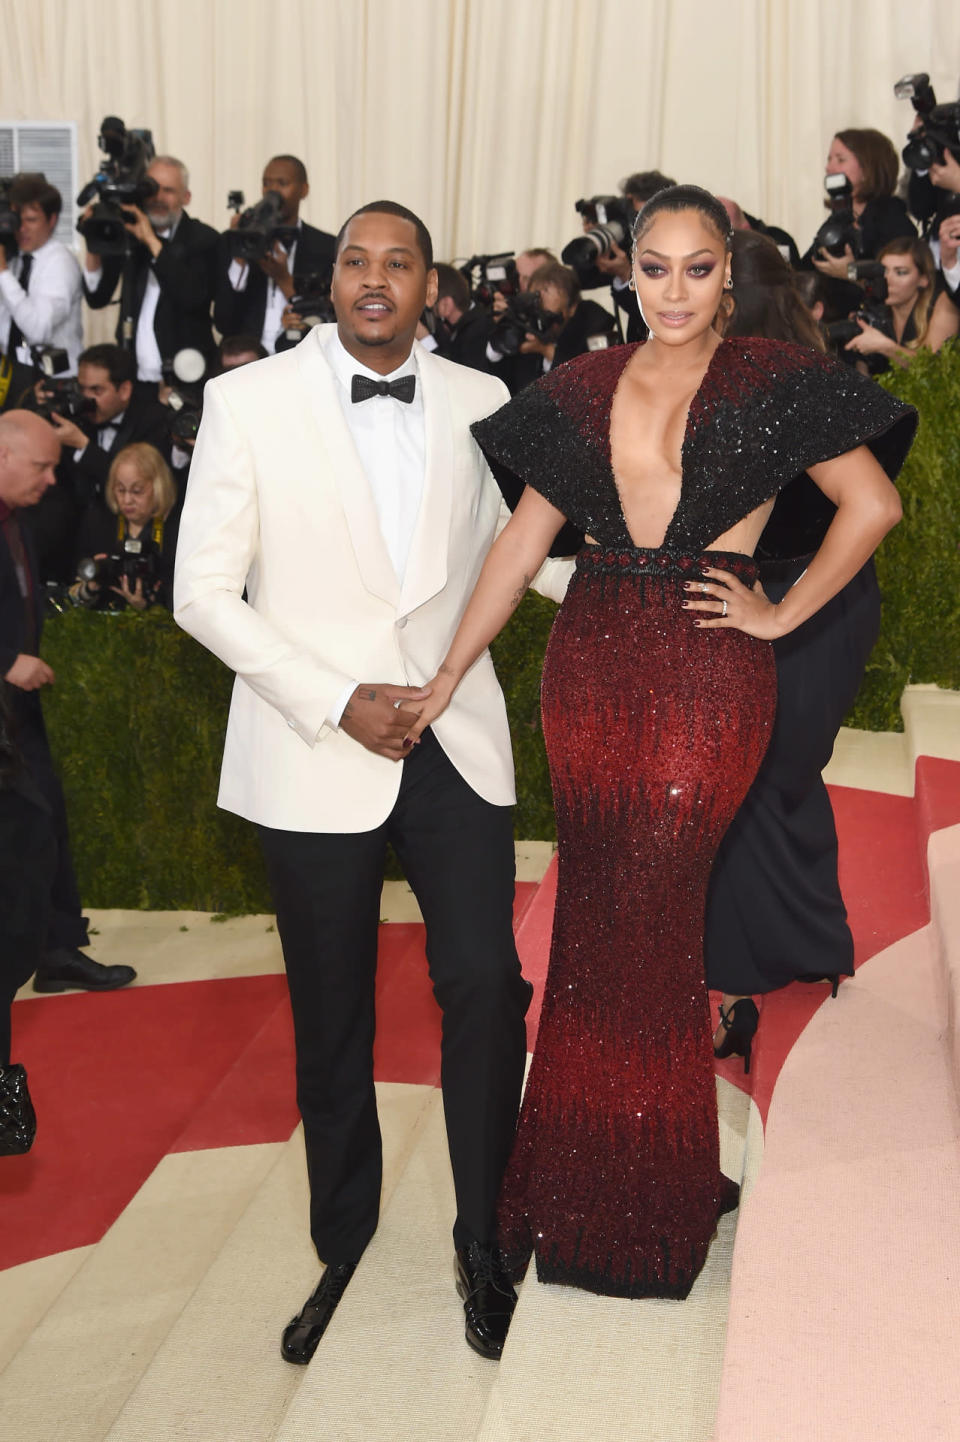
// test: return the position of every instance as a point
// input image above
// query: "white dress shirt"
(49, 311)
(391, 442)
(238, 275)
(149, 359)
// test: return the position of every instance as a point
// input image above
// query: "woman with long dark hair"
(659, 692)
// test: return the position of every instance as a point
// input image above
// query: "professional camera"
(184, 375)
(9, 219)
(121, 181)
(490, 275)
(130, 560)
(872, 279)
(940, 128)
(312, 304)
(523, 316)
(61, 393)
(259, 228)
(838, 231)
(611, 218)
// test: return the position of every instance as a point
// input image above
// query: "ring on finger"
(396, 705)
(724, 611)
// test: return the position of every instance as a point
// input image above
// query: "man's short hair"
(540, 252)
(643, 185)
(299, 169)
(177, 164)
(36, 190)
(241, 345)
(390, 207)
(120, 364)
(565, 279)
(452, 284)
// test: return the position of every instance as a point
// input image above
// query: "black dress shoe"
(488, 1297)
(67, 967)
(300, 1337)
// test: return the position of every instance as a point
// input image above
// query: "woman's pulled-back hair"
(685, 197)
(922, 257)
(766, 299)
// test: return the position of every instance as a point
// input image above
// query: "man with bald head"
(29, 452)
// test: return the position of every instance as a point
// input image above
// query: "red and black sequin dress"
(654, 730)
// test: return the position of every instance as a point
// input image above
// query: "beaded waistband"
(641, 561)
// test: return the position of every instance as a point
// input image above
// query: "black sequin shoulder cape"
(765, 411)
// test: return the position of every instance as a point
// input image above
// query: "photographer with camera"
(173, 272)
(602, 258)
(860, 179)
(120, 415)
(266, 253)
(39, 285)
(126, 552)
(463, 329)
(914, 315)
(573, 325)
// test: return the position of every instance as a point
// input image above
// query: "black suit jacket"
(13, 639)
(145, 419)
(242, 312)
(186, 271)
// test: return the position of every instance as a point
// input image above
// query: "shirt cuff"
(340, 705)
(92, 278)
(619, 283)
(952, 275)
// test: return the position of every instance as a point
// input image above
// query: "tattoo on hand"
(366, 693)
(519, 594)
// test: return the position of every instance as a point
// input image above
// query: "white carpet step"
(219, 1376)
(579, 1366)
(575, 1366)
(96, 1339)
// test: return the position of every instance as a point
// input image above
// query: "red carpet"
(121, 1079)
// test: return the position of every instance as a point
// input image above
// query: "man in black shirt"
(251, 297)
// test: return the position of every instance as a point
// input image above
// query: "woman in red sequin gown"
(658, 697)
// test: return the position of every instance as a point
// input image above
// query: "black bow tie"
(362, 388)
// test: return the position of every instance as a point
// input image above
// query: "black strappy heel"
(740, 1022)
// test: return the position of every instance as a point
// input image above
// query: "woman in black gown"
(775, 913)
(658, 697)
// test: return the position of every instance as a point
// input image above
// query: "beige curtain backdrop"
(488, 117)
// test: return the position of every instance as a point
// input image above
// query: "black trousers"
(67, 925)
(457, 852)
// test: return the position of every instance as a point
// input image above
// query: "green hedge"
(136, 722)
(918, 565)
(137, 716)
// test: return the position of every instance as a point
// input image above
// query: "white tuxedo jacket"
(278, 503)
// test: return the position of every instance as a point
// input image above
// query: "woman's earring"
(631, 284)
(728, 283)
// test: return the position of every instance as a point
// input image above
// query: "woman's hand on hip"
(728, 604)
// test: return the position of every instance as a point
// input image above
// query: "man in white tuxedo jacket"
(338, 484)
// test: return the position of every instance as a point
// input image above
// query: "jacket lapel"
(426, 572)
(356, 498)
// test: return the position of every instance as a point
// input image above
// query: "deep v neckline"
(687, 428)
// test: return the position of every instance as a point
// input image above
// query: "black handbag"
(18, 1120)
